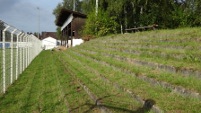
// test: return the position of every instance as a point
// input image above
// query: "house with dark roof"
(71, 22)
(48, 34)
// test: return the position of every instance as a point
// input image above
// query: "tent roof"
(49, 38)
(65, 13)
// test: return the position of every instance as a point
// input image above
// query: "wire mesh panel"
(1, 56)
(8, 57)
(17, 50)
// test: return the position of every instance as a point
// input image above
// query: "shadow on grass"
(144, 109)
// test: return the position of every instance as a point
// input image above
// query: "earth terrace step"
(177, 89)
(118, 87)
(131, 39)
(153, 45)
(174, 56)
(184, 71)
(167, 37)
(135, 96)
(154, 108)
(87, 90)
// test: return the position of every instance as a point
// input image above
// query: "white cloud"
(23, 14)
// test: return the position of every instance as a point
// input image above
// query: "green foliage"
(100, 25)
(135, 13)
(59, 35)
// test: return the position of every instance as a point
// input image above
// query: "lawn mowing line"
(15, 100)
(40, 97)
(178, 89)
(30, 94)
(61, 89)
(70, 78)
(41, 91)
(20, 95)
(155, 108)
(87, 90)
(28, 91)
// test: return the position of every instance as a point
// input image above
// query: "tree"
(134, 13)
(100, 24)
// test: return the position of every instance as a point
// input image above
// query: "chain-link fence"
(17, 50)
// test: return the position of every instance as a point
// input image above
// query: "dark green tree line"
(115, 15)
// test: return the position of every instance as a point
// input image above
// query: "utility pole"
(96, 7)
(38, 22)
(73, 5)
(96, 13)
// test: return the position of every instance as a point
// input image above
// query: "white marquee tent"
(49, 43)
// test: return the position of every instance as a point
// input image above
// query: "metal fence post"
(20, 48)
(4, 59)
(29, 49)
(11, 57)
(27, 45)
(17, 57)
(23, 52)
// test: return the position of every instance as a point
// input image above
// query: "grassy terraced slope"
(163, 65)
(116, 73)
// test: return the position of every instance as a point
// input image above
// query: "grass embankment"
(109, 68)
(176, 52)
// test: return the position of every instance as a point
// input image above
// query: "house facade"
(71, 24)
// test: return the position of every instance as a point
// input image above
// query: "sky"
(24, 15)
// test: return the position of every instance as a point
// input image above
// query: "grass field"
(117, 73)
